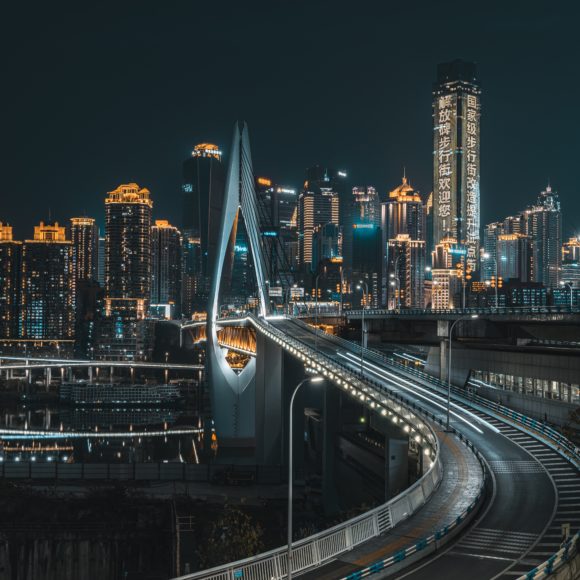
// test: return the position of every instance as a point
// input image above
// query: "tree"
(233, 536)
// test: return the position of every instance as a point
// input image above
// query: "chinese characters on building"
(471, 179)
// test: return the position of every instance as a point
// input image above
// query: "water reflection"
(64, 433)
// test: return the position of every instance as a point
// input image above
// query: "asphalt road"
(500, 544)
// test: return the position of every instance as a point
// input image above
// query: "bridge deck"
(462, 478)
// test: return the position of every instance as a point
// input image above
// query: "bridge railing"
(465, 311)
(323, 547)
(558, 441)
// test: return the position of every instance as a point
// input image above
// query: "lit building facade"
(10, 255)
(203, 186)
(318, 204)
(513, 255)
(47, 286)
(456, 165)
(543, 223)
(406, 286)
(84, 235)
(402, 214)
(166, 266)
(445, 289)
(491, 233)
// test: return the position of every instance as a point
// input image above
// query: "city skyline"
(86, 159)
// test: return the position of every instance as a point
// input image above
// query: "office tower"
(325, 242)
(166, 267)
(543, 223)
(456, 124)
(445, 289)
(203, 186)
(513, 257)
(47, 286)
(367, 259)
(444, 254)
(403, 213)
(10, 254)
(318, 204)
(84, 235)
(363, 207)
(407, 272)
(491, 233)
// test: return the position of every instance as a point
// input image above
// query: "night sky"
(98, 94)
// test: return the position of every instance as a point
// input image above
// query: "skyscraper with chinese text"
(456, 172)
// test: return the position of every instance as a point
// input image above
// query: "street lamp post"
(473, 316)
(315, 379)
(362, 338)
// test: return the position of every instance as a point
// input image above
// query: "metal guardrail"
(316, 550)
(537, 428)
(464, 311)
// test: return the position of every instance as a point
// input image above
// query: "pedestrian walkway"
(460, 485)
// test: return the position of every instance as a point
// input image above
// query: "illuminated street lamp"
(472, 317)
(362, 338)
(314, 379)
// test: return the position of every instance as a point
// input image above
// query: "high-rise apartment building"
(128, 245)
(456, 171)
(123, 332)
(47, 286)
(491, 234)
(318, 204)
(84, 235)
(203, 186)
(166, 264)
(10, 254)
(543, 223)
(406, 284)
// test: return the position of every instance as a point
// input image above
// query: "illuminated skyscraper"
(406, 273)
(402, 214)
(47, 287)
(203, 185)
(513, 257)
(366, 260)
(123, 331)
(84, 235)
(456, 175)
(318, 204)
(166, 266)
(543, 223)
(128, 244)
(10, 254)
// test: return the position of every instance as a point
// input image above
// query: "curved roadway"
(536, 490)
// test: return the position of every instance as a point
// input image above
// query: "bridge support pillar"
(48, 377)
(269, 401)
(90, 374)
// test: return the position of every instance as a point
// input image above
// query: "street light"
(570, 286)
(315, 379)
(316, 314)
(473, 316)
(362, 338)
(487, 256)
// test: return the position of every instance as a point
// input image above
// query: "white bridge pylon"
(233, 394)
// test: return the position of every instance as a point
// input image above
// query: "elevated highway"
(536, 486)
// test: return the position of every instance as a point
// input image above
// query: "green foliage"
(233, 536)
